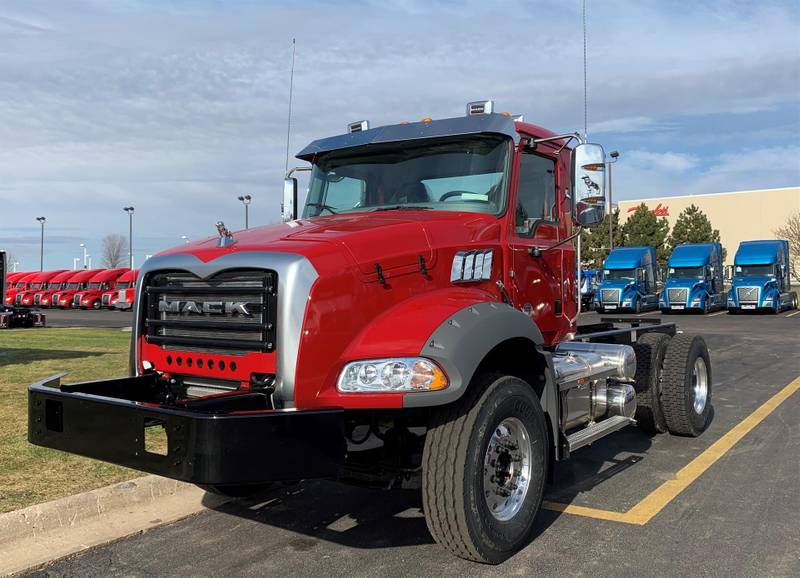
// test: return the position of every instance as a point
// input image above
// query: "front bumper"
(206, 443)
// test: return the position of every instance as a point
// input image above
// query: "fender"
(462, 341)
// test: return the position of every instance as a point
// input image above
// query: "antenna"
(289, 121)
(585, 90)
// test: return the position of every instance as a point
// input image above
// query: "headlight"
(400, 374)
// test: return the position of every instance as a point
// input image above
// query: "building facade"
(739, 216)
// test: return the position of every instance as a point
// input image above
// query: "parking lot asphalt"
(738, 516)
(87, 318)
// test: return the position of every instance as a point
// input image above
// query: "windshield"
(53, 285)
(620, 274)
(755, 270)
(20, 285)
(123, 285)
(35, 286)
(72, 285)
(687, 272)
(94, 285)
(454, 174)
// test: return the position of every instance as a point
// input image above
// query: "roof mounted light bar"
(358, 126)
(518, 117)
(480, 107)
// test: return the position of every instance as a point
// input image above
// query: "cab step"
(594, 432)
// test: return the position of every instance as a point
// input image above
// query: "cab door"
(542, 278)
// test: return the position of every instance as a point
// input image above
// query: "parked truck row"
(82, 289)
(694, 280)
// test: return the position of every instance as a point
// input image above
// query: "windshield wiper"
(403, 207)
(324, 207)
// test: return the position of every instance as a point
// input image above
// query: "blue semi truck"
(761, 278)
(629, 281)
(694, 279)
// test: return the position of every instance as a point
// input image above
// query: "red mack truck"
(416, 327)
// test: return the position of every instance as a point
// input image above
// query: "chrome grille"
(17, 298)
(609, 296)
(37, 298)
(106, 299)
(747, 294)
(233, 311)
(76, 301)
(678, 295)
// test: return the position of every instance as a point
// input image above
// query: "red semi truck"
(11, 281)
(417, 327)
(78, 282)
(37, 285)
(21, 285)
(92, 296)
(122, 298)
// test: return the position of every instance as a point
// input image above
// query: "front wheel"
(484, 469)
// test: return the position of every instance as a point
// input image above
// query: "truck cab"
(629, 281)
(102, 282)
(20, 286)
(43, 298)
(417, 327)
(590, 281)
(122, 297)
(761, 278)
(694, 279)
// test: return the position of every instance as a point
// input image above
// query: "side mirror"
(589, 182)
(289, 204)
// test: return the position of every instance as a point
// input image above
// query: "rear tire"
(650, 351)
(686, 385)
(473, 456)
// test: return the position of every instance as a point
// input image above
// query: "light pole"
(246, 202)
(14, 266)
(614, 156)
(75, 262)
(41, 247)
(85, 255)
(129, 210)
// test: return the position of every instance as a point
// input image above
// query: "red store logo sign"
(659, 211)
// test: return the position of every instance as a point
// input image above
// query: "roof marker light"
(358, 126)
(480, 107)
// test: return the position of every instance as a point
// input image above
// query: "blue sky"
(179, 107)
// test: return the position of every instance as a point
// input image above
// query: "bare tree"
(791, 232)
(115, 250)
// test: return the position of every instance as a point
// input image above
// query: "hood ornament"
(225, 236)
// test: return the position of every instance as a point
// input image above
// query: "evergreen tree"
(645, 229)
(594, 241)
(693, 226)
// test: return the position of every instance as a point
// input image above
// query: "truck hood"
(392, 239)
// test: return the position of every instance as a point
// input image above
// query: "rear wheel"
(484, 469)
(650, 351)
(686, 385)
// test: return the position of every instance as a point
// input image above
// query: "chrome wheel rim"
(700, 384)
(507, 469)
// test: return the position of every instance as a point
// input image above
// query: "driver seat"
(412, 192)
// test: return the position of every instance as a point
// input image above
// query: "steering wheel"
(449, 194)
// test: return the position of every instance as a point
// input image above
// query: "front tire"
(484, 469)
(686, 385)
(650, 350)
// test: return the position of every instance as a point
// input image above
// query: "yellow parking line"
(658, 499)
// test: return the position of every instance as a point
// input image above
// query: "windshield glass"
(686, 272)
(72, 285)
(755, 270)
(123, 285)
(454, 174)
(53, 285)
(35, 286)
(94, 285)
(20, 285)
(620, 274)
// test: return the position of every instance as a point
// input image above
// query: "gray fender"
(463, 340)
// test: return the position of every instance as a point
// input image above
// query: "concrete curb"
(46, 532)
